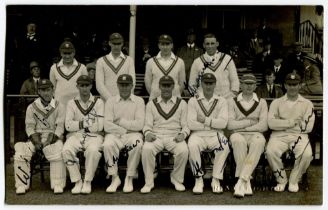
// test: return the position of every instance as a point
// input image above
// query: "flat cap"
(248, 78)
(166, 80)
(208, 77)
(311, 57)
(67, 47)
(44, 84)
(165, 38)
(84, 79)
(91, 66)
(116, 38)
(34, 64)
(292, 79)
(125, 79)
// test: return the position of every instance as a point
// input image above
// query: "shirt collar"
(299, 98)
(158, 56)
(91, 98)
(240, 97)
(75, 63)
(191, 45)
(110, 55)
(173, 99)
(51, 104)
(202, 97)
(131, 98)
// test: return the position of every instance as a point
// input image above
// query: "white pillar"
(132, 35)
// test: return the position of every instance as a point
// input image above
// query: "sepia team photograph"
(142, 105)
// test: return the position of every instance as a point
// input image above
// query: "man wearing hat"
(248, 116)
(84, 123)
(163, 64)
(189, 52)
(264, 60)
(290, 118)
(111, 66)
(30, 86)
(165, 128)
(311, 83)
(124, 119)
(65, 73)
(44, 127)
(207, 117)
(91, 68)
(217, 63)
(294, 60)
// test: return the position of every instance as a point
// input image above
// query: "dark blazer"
(312, 80)
(262, 91)
(188, 55)
(281, 74)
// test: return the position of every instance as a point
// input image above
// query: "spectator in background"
(263, 60)
(264, 31)
(279, 67)
(91, 68)
(30, 86)
(29, 47)
(311, 82)
(165, 63)
(238, 57)
(254, 45)
(295, 59)
(189, 52)
(218, 63)
(64, 74)
(269, 89)
(111, 66)
(143, 55)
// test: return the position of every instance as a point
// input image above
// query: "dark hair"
(269, 72)
(209, 35)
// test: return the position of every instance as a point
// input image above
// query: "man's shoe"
(86, 188)
(248, 188)
(58, 189)
(293, 187)
(116, 182)
(280, 187)
(239, 189)
(77, 188)
(199, 185)
(178, 186)
(128, 184)
(216, 187)
(20, 190)
(147, 188)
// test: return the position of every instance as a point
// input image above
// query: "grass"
(163, 193)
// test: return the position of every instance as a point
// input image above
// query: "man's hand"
(87, 123)
(150, 137)
(297, 122)
(36, 140)
(179, 138)
(254, 121)
(200, 118)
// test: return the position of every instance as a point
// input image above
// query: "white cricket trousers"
(247, 150)
(91, 145)
(299, 144)
(197, 144)
(151, 149)
(130, 143)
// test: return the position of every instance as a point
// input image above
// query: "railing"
(310, 37)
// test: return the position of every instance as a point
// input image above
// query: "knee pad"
(53, 151)
(24, 151)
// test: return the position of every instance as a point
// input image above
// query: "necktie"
(270, 90)
(36, 85)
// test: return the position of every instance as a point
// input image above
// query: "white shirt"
(247, 104)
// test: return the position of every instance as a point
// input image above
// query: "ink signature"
(196, 168)
(307, 122)
(128, 148)
(115, 160)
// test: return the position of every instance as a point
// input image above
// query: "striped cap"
(248, 78)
